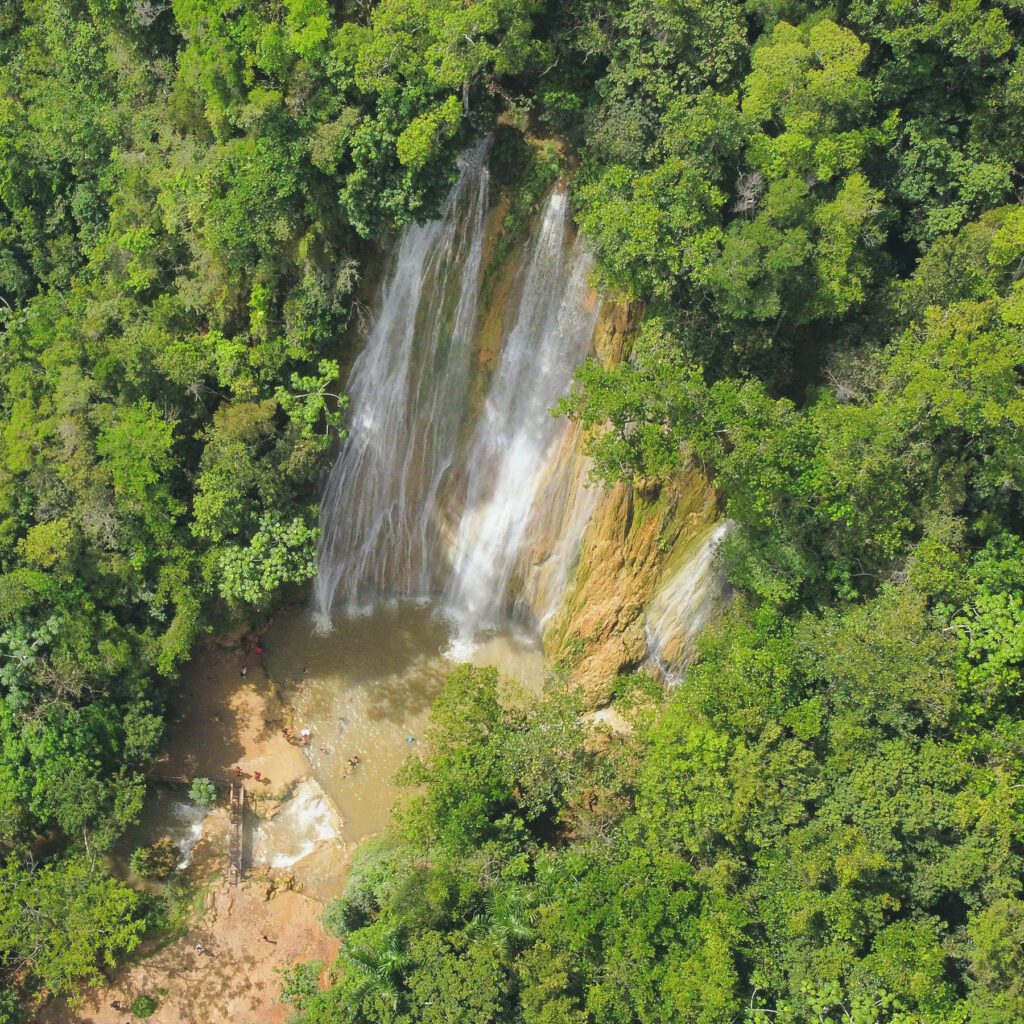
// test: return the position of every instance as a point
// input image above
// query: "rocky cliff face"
(600, 628)
(635, 543)
(615, 577)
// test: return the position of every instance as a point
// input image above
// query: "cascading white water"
(683, 605)
(380, 536)
(480, 509)
(517, 487)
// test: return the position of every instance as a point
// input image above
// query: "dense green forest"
(815, 207)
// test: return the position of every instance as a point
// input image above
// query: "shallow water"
(167, 812)
(365, 690)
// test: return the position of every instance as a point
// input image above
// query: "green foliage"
(809, 205)
(277, 553)
(203, 792)
(300, 983)
(160, 860)
(143, 1006)
(838, 766)
(58, 923)
(832, 496)
(434, 917)
(650, 229)
(183, 188)
(421, 141)
(820, 819)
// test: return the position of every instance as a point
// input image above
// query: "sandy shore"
(228, 721)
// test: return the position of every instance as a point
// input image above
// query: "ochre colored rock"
(599, 629)
(614, 330)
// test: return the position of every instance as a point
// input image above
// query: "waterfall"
(518, 488)
(407, 391)
(477, 505)
(684, 604)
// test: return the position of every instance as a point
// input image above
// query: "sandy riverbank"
(227, 720)
(365, 691)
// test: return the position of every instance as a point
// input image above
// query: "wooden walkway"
(237, 817)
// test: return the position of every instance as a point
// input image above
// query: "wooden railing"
(237, 817)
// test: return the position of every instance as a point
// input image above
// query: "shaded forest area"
(817, 210)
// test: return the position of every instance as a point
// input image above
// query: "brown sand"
(228, 720)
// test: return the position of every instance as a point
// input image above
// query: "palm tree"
(377, 970)
(508, 917)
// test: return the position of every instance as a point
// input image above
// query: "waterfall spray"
(433, 497)
(685, 603)
(379, 535)
(511, 500)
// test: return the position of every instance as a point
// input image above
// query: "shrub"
(203, 792)
(143, 1006)
(157, 861)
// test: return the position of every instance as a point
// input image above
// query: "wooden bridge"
(237, 817)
